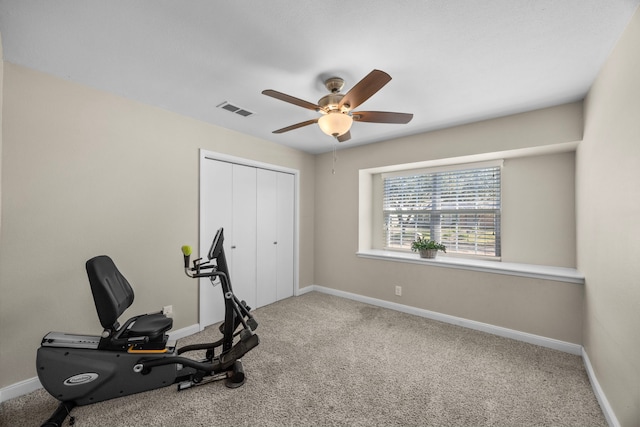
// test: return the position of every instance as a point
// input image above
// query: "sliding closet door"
(285, 226)
(229, 202)
(267, 237)
(275, 236)
(243, 240)
(215, 212)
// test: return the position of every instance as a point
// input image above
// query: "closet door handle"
(233, 247)
(275, 243)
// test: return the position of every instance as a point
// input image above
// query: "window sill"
(558, 274)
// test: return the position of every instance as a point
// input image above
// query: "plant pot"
(428, 253)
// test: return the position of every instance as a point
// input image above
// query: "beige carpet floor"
(328, 361)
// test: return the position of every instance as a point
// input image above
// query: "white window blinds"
(459, 208)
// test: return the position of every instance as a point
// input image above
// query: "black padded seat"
(112, 295)
(151, 325)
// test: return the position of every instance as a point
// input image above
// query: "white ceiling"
(452, 61)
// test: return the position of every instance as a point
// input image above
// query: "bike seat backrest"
(112, 293)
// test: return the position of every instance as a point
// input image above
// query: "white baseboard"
(19, 389)
(306, 290)
(459, 321)
(33, 384)
(597, 390)
(184, 332)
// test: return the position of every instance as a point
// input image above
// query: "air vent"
(235, 109)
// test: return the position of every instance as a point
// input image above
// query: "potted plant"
(427, 248)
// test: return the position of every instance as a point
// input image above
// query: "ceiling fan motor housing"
(331, 102)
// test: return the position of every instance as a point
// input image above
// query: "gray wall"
(608, 208)
(548, 308)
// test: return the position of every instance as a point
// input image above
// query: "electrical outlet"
(167, 310)
(399, 291)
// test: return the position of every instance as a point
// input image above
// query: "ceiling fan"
(336, 108)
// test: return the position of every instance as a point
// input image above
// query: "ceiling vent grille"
(235, 109)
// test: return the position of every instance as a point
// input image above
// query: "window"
(457, 207)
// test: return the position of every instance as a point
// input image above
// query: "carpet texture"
(329, 361)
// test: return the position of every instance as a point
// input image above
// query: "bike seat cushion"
(151, 325)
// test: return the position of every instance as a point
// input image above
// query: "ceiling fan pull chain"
(333, 168)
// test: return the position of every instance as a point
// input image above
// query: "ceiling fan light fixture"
(335, 123)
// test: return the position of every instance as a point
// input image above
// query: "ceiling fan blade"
(365, 88)
(291, 99)
(296, 126)
(381, 117)
(345, 136)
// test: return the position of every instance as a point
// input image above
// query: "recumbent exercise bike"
(138, 356)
